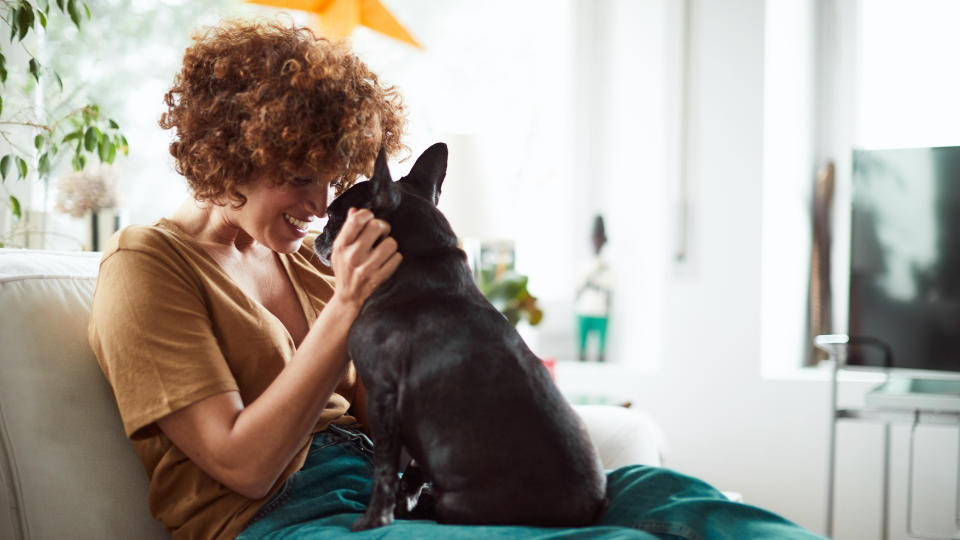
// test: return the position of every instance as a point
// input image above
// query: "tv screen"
(905, 259)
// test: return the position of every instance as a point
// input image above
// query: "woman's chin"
(290, 247)
(285, 244)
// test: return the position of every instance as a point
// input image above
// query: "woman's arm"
(247, 446)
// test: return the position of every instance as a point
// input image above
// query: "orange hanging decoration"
(338, 18)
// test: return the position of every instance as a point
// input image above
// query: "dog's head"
(408, 205)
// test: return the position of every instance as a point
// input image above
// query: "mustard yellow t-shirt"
(169, 328)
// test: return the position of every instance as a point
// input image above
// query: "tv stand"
(897, 400)
(900, 393)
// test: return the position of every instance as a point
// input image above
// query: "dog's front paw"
(368, 521)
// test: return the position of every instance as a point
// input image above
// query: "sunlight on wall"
(554, 111)
(908, 84)
(789, 111)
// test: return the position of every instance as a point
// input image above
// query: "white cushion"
(623, 436)
(66, 468)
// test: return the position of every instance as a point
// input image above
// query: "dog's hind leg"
(385, 429)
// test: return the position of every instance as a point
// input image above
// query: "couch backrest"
(66, 468)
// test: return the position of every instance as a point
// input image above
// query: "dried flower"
(89, 190)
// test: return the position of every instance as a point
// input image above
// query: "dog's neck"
(433, 262)
(429, 272)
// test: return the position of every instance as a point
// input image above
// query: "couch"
(66, 468)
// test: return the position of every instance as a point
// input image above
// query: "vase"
(103, 223)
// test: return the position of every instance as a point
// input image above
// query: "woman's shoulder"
(139, 237)
(158, 241)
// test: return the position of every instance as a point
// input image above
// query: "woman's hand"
(358, 264)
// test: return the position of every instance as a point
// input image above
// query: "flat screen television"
(904, 310)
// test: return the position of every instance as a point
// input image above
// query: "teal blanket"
(331, 491)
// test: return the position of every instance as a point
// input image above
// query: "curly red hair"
(256, 97)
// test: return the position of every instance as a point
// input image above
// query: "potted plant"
(38, 121)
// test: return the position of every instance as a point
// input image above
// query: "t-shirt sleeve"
(153, 337)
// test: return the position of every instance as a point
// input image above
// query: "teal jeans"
(331, 491)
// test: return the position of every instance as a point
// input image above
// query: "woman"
(224, 340)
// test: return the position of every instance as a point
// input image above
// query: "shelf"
(899, 416)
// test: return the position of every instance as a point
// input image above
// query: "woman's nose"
(317, 201)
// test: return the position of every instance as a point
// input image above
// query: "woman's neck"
(211, 226)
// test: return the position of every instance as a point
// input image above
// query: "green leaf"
(71, 136)
(5, 165)
(38, 141)
(90, 138)
(103, 149)
(59, 81)
(91, 113)
(43, 19)
(15, 208)
(25, 19)
(61, 5)
(22, 167)
(87, 9)
(74, 12)
(3, 68)
(78, 162)
(1, 104)
(43, 166)
(112, 155)
(113, 124)
(35, 69)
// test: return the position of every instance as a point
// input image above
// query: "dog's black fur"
(449, 379)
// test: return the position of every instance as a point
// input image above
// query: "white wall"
(725, 422)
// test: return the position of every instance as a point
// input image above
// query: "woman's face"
(280, 216)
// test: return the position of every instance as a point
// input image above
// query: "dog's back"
(480, 413)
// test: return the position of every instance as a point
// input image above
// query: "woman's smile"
(301, 226)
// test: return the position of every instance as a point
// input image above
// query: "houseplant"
(507, 291)
(40, 123)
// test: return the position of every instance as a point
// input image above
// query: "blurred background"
(695, 128)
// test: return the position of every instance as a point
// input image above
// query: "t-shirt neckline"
(283, 258)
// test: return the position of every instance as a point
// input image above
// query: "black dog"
(449, 379)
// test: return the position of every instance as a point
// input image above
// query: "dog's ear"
(386, 195)
(427, 174)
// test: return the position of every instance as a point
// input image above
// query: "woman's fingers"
(360, 262)
(352, 227)
(359, 233)
(389, 267)
(383, 260)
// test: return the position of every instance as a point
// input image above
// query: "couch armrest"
(623, 436)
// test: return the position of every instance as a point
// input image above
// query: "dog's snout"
(322, 248)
